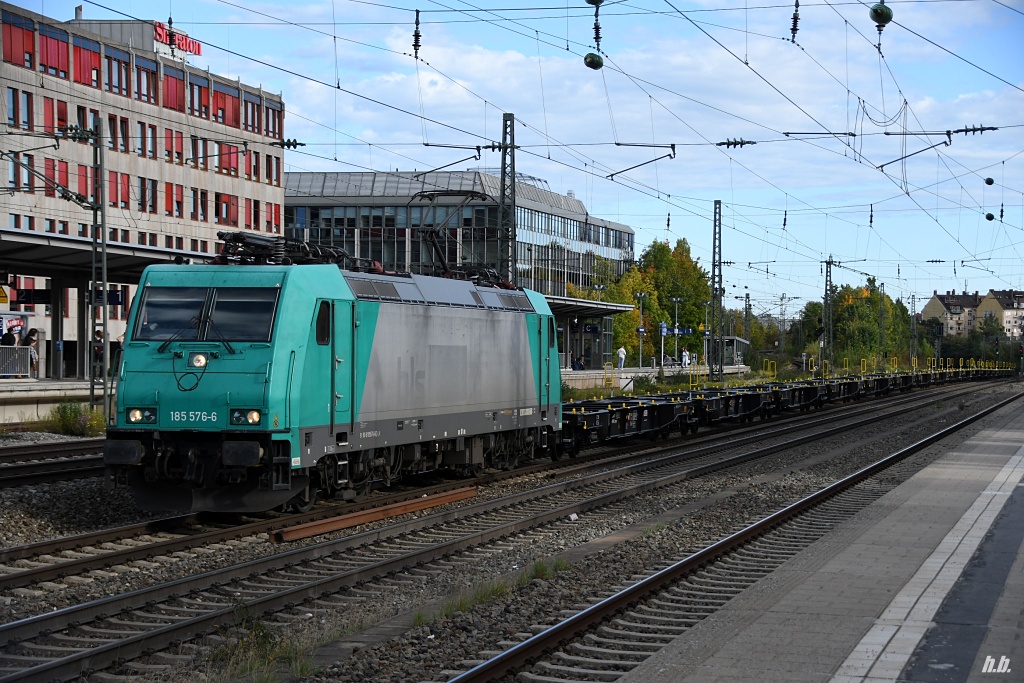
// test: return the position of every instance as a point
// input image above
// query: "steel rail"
(188, 540)
(529, 650)
(223, 610)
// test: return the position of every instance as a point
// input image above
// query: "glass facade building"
(392, 218)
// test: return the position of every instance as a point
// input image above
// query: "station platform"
(926, 584)
(23, 400)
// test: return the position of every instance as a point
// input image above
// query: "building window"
(145, 80)
(253, 114)
(53, 51)
(174, 88)
(19, 109)
(87, 61)
(273, 120)
(116, 69)
(19, 40)
(199, 96)
(225, 105)
(55, 116)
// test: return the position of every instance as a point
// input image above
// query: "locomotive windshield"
(233, 314)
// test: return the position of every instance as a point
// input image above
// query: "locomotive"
(281, 372)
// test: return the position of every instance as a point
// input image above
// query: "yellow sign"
(3, 296)
(701, 327)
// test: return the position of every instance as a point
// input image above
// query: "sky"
(852, 161)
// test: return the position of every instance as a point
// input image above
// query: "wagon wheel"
(304, 500)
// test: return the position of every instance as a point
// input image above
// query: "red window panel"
(53, 56)
(62, 173)
(87, 64)
(226, 106)
(179, 200)
(233, 210)
(168, 143)
(169, 198)
(179, 147)
(126, 190)
(174, 93)
(83, 181)
(277, 218)
(50, 171)
(248, 213)
(62, 115)
(112, 188)
(18, 42)
(233, 161)
(48, 115)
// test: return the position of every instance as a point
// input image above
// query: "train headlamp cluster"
(141, 415)
(240, 416)
(198, 360)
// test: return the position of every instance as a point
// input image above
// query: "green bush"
(73, 419)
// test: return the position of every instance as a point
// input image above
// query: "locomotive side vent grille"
(372, 289)
(519, 303)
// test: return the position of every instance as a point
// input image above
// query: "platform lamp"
(599, 289)
(676, 300)
(640, 296)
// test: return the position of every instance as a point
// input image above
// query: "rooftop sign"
(180, 41)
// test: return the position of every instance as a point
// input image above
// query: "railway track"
(28, 464)
(55, 560)
(605, 640)
(106, 632)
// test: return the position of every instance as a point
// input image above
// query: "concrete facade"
(185, 153)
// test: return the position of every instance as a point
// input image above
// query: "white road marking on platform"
(886, 648)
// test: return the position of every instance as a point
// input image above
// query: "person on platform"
(622, 356)
(686, 358)
(33, 355)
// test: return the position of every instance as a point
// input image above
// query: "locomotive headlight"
(198, 360)
(141, 415)
(241, 416)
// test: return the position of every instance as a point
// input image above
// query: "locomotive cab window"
(170, 311)
(241, 314)
(323, 324)
(236, 314)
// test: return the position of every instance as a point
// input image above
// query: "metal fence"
(15, 361)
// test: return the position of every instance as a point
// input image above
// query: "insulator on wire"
(881, 15)
(796, 21)
(593, 60)
(1000, 212)
(871, 216)
(416, 37)
(784, 216)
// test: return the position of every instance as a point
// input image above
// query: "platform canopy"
(564, 307)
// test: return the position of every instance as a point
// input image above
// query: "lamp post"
(599, 289)
(676, 300)
(640, 296)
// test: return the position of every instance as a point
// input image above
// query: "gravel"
(421, 654)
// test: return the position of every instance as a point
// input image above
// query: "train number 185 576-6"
(193, 416)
